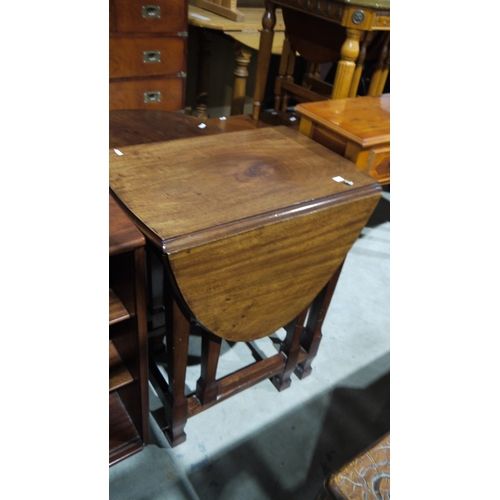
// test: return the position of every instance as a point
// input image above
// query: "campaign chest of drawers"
(147, 54)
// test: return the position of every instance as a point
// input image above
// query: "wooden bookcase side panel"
(128, 364)
(142, 335)
(129, 339)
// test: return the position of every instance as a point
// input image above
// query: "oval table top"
(251, 223)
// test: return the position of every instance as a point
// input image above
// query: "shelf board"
(124, 440)
(118, 373)
(117, 311)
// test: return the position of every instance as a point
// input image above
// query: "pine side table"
(357, 128)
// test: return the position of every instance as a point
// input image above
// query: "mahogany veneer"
(252, 231)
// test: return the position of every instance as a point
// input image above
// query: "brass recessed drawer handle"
(151, 56)
(151, 11)
(152, 96)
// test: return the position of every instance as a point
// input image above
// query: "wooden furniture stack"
(246, 34)
(358, 129)
(358, 21)
(128, 363)
(252, 239)
(147, 54)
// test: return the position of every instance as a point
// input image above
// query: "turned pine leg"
(347, 64)
(360, 63)
(384, 75)
(381, 71)
(243, 56)
(264, 59)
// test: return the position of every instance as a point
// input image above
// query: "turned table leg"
(243, 56)
(360, 63)
(345, 69)
(381, 71)
(264, 59)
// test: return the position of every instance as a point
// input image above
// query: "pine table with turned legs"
(358, 17)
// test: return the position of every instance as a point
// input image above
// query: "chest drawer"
(166, 93)
(146, 56)
(150, 16)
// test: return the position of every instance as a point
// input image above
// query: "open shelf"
(124, 440)
(117, 311)
(128, 364)
(119, 375)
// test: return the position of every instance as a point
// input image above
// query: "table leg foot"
(291, 348)
(207, 386)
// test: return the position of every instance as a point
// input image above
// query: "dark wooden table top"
(252, 222)
(123, 235)
(192, 189)
(139, 126)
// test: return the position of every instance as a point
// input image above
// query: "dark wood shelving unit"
(117, 311)
(128, 364)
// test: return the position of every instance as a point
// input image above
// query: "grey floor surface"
(266, 445)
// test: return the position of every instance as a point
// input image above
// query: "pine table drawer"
(146, 56)
(165, 94)
(151, 16)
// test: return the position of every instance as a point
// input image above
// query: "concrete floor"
(266, 445)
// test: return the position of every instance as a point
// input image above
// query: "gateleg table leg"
(178, 330)
(207, 387)
(291, 348)
(311, 337)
